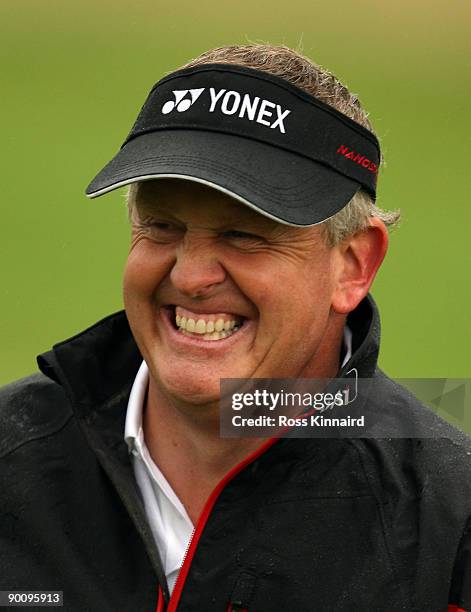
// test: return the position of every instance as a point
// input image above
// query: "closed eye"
(161, 225)
(243, 235)
(160, 231)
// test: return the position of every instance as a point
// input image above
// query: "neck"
(188, 450)
(189, 432)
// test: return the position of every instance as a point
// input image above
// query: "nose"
(197, 271)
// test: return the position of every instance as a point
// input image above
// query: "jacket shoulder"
(31, 408)
(424, 423)
(428, 456)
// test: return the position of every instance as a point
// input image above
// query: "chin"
(194, 391)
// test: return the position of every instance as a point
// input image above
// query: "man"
(255, 240)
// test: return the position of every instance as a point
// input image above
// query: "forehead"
(191, 200)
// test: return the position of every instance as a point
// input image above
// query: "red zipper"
(182, 575)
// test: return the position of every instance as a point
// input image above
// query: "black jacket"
(308, 524)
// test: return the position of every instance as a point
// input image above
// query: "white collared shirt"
(169, 522)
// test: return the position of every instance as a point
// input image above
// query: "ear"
(356, 262)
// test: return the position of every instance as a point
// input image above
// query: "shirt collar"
(347, 343)
(133, 425)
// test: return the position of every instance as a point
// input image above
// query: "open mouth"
(206, 327)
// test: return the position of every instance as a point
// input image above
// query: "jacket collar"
(102, 362)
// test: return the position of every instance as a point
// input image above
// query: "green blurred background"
(74, 75)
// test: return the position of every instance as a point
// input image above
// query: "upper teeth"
(198, 325)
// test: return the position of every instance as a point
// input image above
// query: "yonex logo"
(181, 103)
(245, 106)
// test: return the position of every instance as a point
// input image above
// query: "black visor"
(251, 135)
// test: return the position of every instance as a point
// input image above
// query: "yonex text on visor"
(251, 135)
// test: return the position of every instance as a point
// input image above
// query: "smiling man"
(255, 239)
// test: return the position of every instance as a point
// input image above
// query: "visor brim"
(277, 183)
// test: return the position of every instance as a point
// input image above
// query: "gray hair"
(302, 72)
